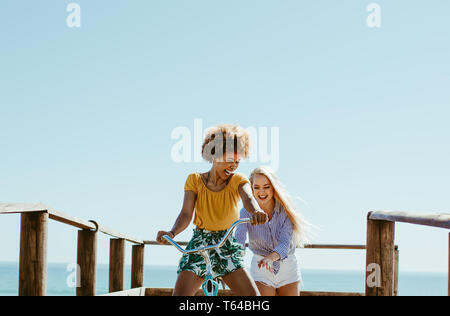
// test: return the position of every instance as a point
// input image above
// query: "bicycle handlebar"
(218, 245)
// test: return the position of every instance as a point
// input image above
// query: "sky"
(360, 113)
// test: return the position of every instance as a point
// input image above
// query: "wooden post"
(33, 254)
(396, 270)
(380, 258)
(86, 260)
(137, 266)
(448, 264)
(116, 265)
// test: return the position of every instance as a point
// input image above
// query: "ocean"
(60, 280)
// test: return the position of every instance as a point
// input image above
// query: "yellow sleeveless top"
(215, 210)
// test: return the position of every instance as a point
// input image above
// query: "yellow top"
(215, 210)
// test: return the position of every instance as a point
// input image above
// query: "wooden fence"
(380, 252)
(33, 251)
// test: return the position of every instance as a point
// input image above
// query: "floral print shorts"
(224, 260)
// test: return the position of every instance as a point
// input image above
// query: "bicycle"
(209, 286)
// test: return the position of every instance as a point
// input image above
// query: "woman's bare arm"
(251, 205)
(184, 218)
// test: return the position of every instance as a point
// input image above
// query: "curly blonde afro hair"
(225, 139)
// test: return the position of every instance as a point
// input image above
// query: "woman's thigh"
(290, 289)
(187, 284)
(265, 289)
(241, 283)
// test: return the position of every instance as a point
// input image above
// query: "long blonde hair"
(302, 228)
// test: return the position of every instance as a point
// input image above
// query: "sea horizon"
(60, 279)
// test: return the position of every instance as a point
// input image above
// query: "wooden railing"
(381, 263)
(33, 251)
(380, 251)
(33, 254)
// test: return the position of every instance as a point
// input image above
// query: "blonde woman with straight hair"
(274, 265)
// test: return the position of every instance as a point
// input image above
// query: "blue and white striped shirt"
(275, 235)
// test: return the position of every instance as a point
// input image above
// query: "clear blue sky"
(87, 113)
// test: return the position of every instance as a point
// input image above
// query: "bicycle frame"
(210, 287)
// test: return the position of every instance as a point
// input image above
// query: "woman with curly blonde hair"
(212, 199)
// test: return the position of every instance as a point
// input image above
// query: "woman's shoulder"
(194, 176)
(192, 182)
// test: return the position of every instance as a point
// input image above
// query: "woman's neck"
(268, 207)
(213, 178)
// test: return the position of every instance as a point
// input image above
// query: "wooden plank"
(116, 234)
(140, 291)
(380, 258)
(168, 292)
(116, 265)
(70, 220)
(73, 221)
(86, 260)
(428, 219)
(33, 254)
(137, 266)
(11, 208)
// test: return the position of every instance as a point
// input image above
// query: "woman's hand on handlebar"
(161, 240)
(259, 217)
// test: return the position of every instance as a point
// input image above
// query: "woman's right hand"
(266, 262)
(259, 217)
(161, 240)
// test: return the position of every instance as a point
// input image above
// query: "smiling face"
(262, 189)
(226, 167)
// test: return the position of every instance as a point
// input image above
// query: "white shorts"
(289, 272)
